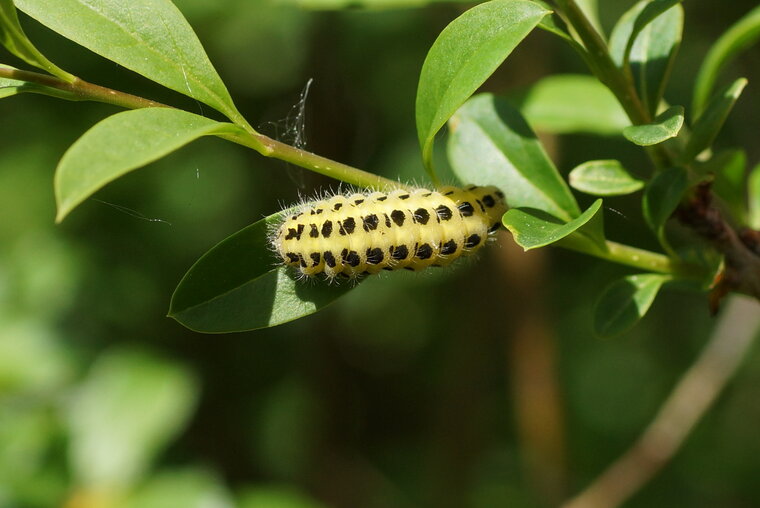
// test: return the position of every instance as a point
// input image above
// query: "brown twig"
(741, 250)
(692, 397)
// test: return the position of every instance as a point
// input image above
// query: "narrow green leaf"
(14, 39)
(533, 228)
(661, 197)
(753, 188)
(625, 302)
(150, 37)
(490, 143)
(572, 103)
(665, 126)
(121, 143)
(604, 178)
(622, 32)
(126, 410)
(709, 123)
(463, 56)
(589, 237)
(650, 11)
(552, 23)
(654, 53)
(646, 40)
(237, 286)
(590, 9)
(742, 34)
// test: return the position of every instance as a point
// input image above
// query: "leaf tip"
(739, 85)
(61, 214)
(64, 207)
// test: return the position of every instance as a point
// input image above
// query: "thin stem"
(608, 73)
(80, 89)
(687, 404)
(605, 68)
(640, 258)
(246, 136)
(272, 148)
(19, 44)
(630, 256)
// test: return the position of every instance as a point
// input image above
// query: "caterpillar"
(361, 234)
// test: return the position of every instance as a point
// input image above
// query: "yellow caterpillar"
(364, 233)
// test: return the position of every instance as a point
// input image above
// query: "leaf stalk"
(79, 89)
(630, 256)
(617, 80)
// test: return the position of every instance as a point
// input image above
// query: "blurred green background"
(479, 386)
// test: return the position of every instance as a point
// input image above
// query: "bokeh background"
(479, 386)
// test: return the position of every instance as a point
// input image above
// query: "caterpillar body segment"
(363, 234)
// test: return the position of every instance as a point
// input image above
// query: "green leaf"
(753, 188)
(625, 302)
(490, 143)
(654, 54)
(236, 286)
(533, 228)
(661, 197)
(622, 32)
(646, 40)
(571, 103)
(14, 39)
(742, 34)
(651, 11)
(709, 123)
(590, 9)
(150, 37)
(604, 178)
(665, 126)
(121, 143)
(127, 409)
(463, 56)
(552, 23)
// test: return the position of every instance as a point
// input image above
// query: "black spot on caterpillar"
(364, 233)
